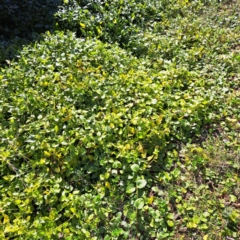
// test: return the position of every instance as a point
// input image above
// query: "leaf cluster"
(124, 124)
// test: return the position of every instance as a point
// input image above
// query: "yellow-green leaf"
(82, 25)
(170, 223)
(57, 169)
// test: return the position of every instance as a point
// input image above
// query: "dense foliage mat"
(124, 124)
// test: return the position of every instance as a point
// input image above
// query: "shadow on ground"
(22, 22)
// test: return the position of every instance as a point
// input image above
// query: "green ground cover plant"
(124, 123)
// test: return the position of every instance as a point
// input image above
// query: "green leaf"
(87, 233)
(130, 188)
(205, 237)
(141, 183)
(131, 215)
(135, 167)
(9, 177)
(139, 203)
(170, 223)
(191, 225)
(170, 216)
(154, 101)
(196, 219)
(155, 189)
(57, 169)
(233, 198)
